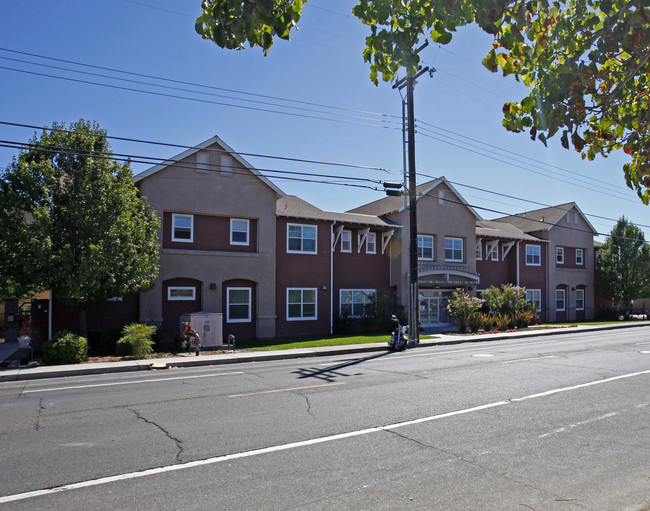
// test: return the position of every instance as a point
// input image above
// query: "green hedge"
(65, 348)
(136, 340)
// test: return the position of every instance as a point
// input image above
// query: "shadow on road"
(330, 374)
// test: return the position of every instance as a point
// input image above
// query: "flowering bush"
(507, 300)
(461, 306)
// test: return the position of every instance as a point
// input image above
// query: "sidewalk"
(37, 372)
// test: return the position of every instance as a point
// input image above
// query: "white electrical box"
(209, 325)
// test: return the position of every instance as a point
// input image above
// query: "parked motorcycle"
(399, 337)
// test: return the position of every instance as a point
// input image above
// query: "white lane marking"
(292, 445)
(640, 343)
(577, 424)
(483, 355)
(527, 359)
(287, 390)
(91, 385)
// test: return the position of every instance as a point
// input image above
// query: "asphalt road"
(554, 423)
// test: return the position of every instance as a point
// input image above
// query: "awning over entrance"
(447, 275)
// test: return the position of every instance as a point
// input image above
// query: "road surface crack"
(39, 414)
(309, 406)
(179, 443)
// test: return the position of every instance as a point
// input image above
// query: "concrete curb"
(39, 372)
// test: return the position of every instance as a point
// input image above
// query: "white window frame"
(563, 293)
(534, 296)
(582, 293)
(367, 293)
(232, 231)
(479, 250)
(422, 237)
(580, 257)
(559, 255)
(181, 298)
(302, 238)
(454, 249)
(371, 243)
(346, 244)
(182, 240)
(533, 259)
(302, 317)
(228, 303)
(492, 253)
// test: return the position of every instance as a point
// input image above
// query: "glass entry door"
(433, 307)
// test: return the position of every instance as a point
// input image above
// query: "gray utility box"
(209, 325)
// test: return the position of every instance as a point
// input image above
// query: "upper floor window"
(441, 197)
(479, 250)
(239, 305)
(454, 249)
(371, 243)
(533, 255)
(492, 251)
(301, 304)
(239, 231)
(580, 256)
(425, 247)
(183, 228)
(559, 300)
(226, 164)
(202, 159)
(559, 255)
(301, 238)
(580, 299)
(346, 241)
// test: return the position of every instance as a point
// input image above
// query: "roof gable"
(544, 219)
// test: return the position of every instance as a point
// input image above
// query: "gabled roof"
(492, 228)
(543, 219)
(294, 207)
(203, 145)
(388, 205)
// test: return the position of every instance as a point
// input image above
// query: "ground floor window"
(559, 300)
(301, 303)
(580, 299)
(239, 304)
(356, 302)
(181, 293)
(534, 296)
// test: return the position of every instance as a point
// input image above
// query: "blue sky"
(309, 99)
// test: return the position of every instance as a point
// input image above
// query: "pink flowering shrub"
(462, 307)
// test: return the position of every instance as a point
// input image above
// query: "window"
(533, 255)
(534, 296)
(580, 299)
(371, 243)
(181, 293)
(559, 300)
(479, 250)
(356, 302)
(454, 249)
(226, 164)
(239, 305)
(301, 238)
(425, 247)
(346, 241)
(580, 257)
(441, 197)
(301, 304)
(559, 255)
(183, 228)
(202, 161)
(492, 251)
(239, 231)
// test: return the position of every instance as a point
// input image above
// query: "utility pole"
(414, 299)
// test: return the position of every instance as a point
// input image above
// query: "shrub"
(525, 317)
(487, 320)
(505, 300)
(65, 348)
(461, 306)
(136, 340)
(475, 322)
(503, 321)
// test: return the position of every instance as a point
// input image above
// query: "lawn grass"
(310, 342)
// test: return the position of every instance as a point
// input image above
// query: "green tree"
(73, 221)
(623, 265)
(586, 62)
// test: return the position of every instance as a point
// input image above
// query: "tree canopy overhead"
(586, 62)
(71, 220)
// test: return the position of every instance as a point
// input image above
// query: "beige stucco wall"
(181, 189)
(444, 218)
